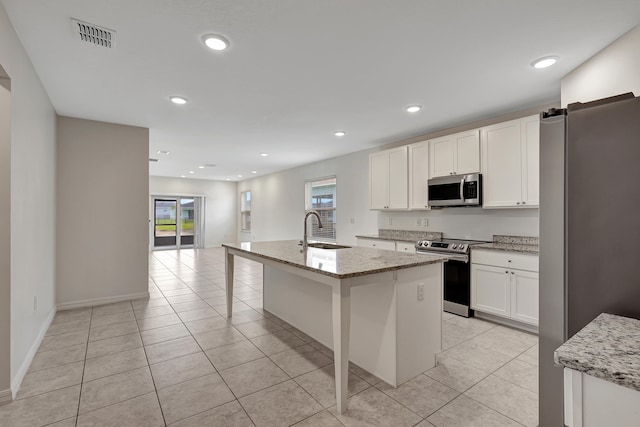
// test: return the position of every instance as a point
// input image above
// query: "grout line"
(86, 350)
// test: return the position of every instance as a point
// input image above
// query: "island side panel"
(419, 321)
(307, 305)
(394, 335)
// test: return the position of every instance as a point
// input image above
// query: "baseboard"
(101, 301)
(6, 397)
(507, 322)
(16, 382)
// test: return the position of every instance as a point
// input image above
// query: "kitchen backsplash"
(515, 240)
(409, 234)
(464, 223)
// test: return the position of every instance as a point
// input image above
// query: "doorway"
(175, 222)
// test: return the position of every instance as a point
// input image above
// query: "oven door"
(456, 283)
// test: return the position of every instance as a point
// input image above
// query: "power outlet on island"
(425, 222)
(420, 291)
(419, 222)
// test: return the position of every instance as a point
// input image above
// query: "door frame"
(174, 196)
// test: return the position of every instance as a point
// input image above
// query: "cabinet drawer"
(406, 247)
(378, 244)
(505, 259)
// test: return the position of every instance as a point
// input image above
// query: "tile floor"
(175, 359)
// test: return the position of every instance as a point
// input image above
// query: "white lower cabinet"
(378, 244)
(408, 247)
(505, 284)
(594, 402)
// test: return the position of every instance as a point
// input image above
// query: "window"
(245, 211)
(321, 197)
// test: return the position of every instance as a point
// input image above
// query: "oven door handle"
(462, 190)
(452, 257)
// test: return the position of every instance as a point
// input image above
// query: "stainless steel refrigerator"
(589, 227)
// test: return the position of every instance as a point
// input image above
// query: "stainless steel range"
(457, 272)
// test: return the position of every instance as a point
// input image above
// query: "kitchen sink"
(319, 245)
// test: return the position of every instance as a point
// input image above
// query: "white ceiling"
(297, 70)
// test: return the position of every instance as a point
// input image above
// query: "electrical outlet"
(390, 221)
(419, 222)
(352, 220)
(425, 221)
(420, 291)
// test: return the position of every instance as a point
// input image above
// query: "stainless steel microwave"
(455, 190)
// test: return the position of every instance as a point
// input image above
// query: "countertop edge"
(508, 247)
(604, 349)
(333, 275)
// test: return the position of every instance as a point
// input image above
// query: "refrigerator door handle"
(462, 190)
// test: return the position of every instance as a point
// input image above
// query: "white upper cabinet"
(418, 175)
(388, 179)
(456, 154)
(510, 163)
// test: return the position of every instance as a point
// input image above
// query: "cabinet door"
(490, 289)
(406, 247)
(418, 175)
(531, 160)
(524, 296)
(378, 180)
(378, 244)
(502, 165)
(442, 156)
(398, 178)
(467, 153)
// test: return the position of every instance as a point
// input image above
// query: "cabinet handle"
(506, 271)
(524, 203)
(512, 272)
(518, 203)
(508, 260)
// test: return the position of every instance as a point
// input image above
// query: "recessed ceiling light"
(215, 42)
(178, 100)
(264, 154)
(162, 152)
(545, 62)
(191, 172)
(413, 108)
(228, 179)
(239, 176)
(182, 176)
(254, 171)
(339, 133)
(201, 167)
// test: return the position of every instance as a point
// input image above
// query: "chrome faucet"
(304, 238)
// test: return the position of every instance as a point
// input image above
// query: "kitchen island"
(380, 309)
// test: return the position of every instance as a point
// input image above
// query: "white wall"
(612, 71)
(5, 237)
(102, 212)
(277, 200)
(220, 204)
(33, 124)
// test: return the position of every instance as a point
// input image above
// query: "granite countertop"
(337, 263)
(507, 247)
(403, 235)
(521, 244)
(378, 237)
(607, 348)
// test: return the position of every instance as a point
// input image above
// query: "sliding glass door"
(176, 222)
(187, 217)
(165, 222)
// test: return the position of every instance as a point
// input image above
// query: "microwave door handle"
(462, 189)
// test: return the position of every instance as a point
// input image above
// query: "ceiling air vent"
(90, 33)
(153, 160)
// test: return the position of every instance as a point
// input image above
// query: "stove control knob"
(462, 247)
(454, 246)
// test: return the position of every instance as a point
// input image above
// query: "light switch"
(420, 291)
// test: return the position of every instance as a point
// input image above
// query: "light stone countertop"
(607, 348)
(377, 237)
(508, 247)
(338, 263)
(521, 244)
